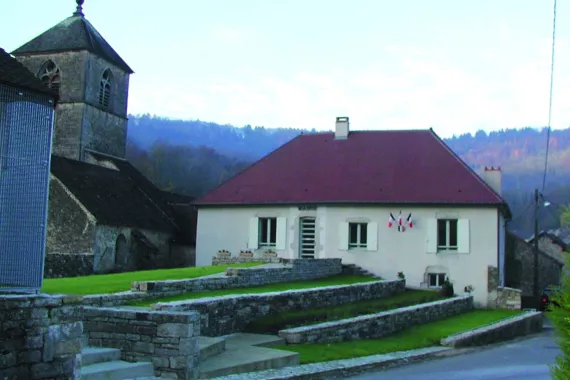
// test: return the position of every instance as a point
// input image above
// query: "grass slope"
(120, 282)
(272, 324)
(427, 335)
(321, 282)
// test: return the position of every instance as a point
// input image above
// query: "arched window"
(105, 88)
(50, 75)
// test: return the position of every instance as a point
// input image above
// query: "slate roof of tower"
(389, 167)
(13, 73)
(75, 33)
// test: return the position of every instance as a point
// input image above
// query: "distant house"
(519, 268)
(554, 242)
(26, 128)
(388, 201)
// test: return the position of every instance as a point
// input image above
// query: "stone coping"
(206, 300)
(519, 325)
(340, 368)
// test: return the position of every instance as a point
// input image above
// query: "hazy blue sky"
(454, 65)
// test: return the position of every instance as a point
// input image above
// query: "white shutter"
(253, 233)
(281, 238)
(431, 236)
(463, 240)
(372, 236)
(343, 236)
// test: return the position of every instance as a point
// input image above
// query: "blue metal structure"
(26, 128)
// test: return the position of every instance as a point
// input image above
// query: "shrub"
(560, 317)
(447, 288)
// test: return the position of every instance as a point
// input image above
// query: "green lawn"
(427, 335)
(120, 282)
(328, 281)
(272, 324)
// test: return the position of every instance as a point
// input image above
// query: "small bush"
(560, 317)
(447, 289)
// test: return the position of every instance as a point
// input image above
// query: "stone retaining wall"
(230, 314)
(168, 340)
(527, 323)
(378, 325)
(68, 265)
(292, 270)
(40, 337)
(508, 298)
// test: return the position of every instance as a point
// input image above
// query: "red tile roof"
(368, 167)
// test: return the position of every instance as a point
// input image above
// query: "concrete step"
(116, 370)
(257, 340)
(94, 355)
(210, 347)
(243, 359)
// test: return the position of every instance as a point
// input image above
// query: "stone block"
(175, 330)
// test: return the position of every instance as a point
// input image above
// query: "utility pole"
(536, 214)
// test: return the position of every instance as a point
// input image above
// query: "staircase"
(242, 353)
(98, 363)
(355, 270)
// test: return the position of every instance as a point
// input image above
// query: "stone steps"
(210, 347)
(242, 353)
(355, 270)
(99, 363)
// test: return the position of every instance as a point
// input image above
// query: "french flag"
(409, 221)
(400, 222)
(391, 221)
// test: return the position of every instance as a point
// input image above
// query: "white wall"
(408, 251)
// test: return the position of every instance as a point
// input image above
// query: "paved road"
(526, 359)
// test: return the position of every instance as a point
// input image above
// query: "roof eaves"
(349, 203)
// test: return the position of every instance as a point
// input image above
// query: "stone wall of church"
(70, 234)
(104, 132)
(119, 86)
(80, 121)
(69, 111)
(121, 249)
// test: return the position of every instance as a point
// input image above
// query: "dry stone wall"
(292, 270)
(168, 340)
(377, 325)
(230, 314)
(40, 337)
(527, 323)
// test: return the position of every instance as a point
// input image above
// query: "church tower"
(93, 85)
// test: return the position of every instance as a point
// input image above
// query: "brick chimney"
(341, 128)
(494, 178)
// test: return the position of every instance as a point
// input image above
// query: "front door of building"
(307, 237)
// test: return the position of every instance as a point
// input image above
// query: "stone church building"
(104, 215)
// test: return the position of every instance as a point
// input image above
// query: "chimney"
(493, 177)
(341, 128)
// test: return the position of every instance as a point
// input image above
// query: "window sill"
(357, 249)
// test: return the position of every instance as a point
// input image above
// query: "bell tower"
(93, 84)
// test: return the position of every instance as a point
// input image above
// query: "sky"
(456, 66)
